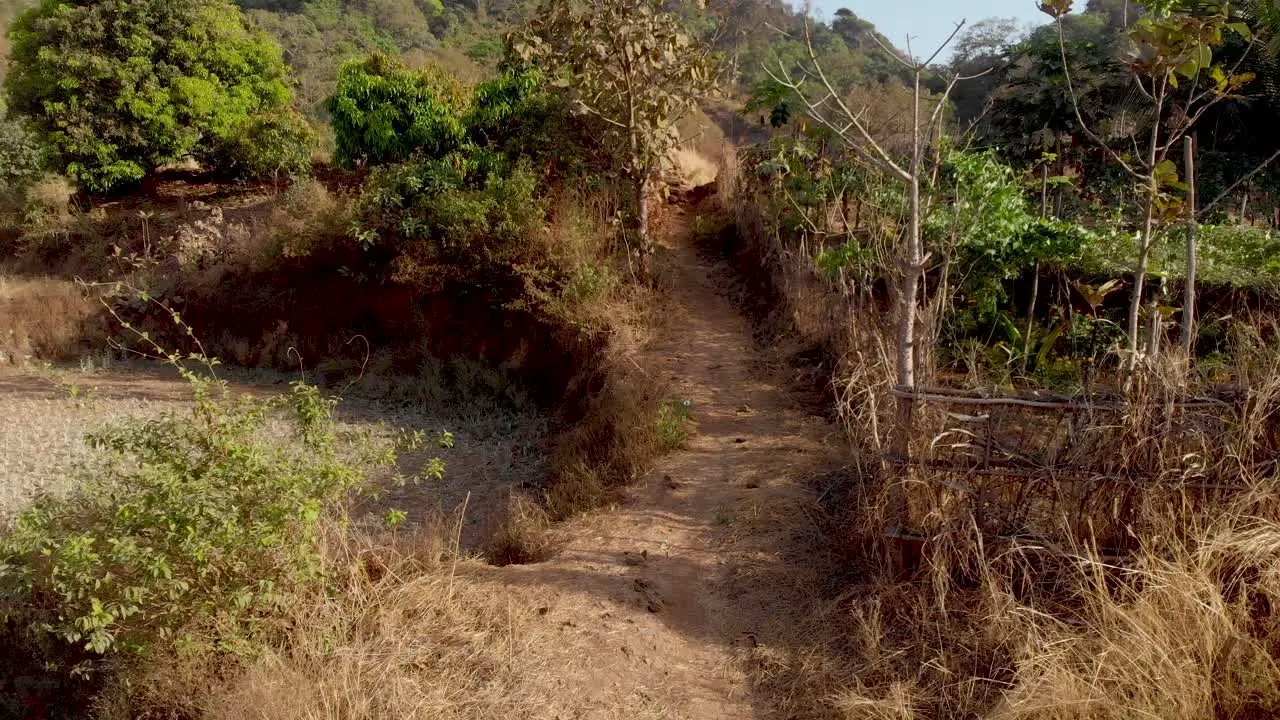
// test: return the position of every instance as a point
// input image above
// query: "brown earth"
(663, 599)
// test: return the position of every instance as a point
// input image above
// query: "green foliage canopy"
(627, 61)
(382, 112)
(452, 219)
(116, 88)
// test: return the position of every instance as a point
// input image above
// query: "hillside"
(466, 37)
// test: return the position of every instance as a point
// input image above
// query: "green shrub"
(1230, 256)
(674, 424)
(382, 112)
(116, 89)
(266, 146)
(199, 520)
(453, 219)
(520, 116)
(19, 155)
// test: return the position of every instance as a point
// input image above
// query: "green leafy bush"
(19, 154)
(518, 115)
(455, 218)
(1229, 256)
(117, 88)
(199, 520)
(267, 146)
(987, 220)
(382, 112)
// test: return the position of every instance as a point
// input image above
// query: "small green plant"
(192, 526)
(675, 423)
(395, 518)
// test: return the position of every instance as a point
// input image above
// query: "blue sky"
(928, 22)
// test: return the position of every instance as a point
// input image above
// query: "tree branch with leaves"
(1171, 57)
(630, 63)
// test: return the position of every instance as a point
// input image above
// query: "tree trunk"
(643, 187)
(1031, 319)
(1145, 239)
(1035, 285)
(912, 268)
(1155, 324)
(1140, 281)
(1189, 303)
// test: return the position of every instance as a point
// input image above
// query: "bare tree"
(827, 106)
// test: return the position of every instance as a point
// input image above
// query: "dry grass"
(45, 318)
(524, 533)
(606, 319)
(407, 630)
(610, 446)
(1189, 636)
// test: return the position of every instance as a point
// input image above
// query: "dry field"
(46, 413)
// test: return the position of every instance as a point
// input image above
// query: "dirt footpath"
(659, 599)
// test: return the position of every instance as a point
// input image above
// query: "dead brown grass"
(408, 629)
(523, 533)
(45, 318)
(610, 446)
(605, 318)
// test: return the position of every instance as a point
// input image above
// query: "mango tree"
(113, 89)
(630, 63)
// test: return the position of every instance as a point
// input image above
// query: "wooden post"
(1189, 302)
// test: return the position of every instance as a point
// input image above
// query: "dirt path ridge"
(659, 598)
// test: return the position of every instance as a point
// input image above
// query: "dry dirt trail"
(662, 600)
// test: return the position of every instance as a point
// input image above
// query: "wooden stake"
(1189, 303)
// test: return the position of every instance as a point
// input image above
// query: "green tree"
(266, 146)
(630, 63)
(1172, 60)
(382, 112)
(116, 88)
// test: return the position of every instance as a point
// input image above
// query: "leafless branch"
(1238, 183)
(889, 51)
(944, 45)
(1075, 105)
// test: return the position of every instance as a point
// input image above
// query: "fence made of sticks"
(1066, 471)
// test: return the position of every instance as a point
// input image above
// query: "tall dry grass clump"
(43, 318)
(409, 630)
(406, 627)
(1184, 629)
